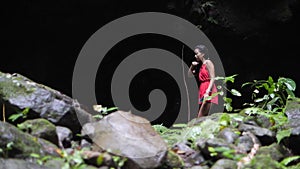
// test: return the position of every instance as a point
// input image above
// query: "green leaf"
(247, 83)
(160, 128)
(81, 166)
(77, 157)
(219, 78)
(98, 116)
(66, 166)
(79, 135)
(282, 134)
(26, 111)
(237, 117)
(9, 145)
(235, 92)
(211, 149)
(224, 119)
(226, 79)
(112, 108)
(17, 115)
(266, 97)
(34, 155)
(270, 80)
(100, 159)
(47, 157)
(289, 92)
(180, 125)
(227, 103)
(227, 100)
(287, 160)
(230, 78)
(251, 111)
(228, 107)
(14, 117)
(290, 84)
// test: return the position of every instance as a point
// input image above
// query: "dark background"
(42, 39)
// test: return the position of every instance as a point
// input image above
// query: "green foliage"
(271, 95)
(170, 135)
(282, 134)
(270, 99)
(159, 128)
(263, 162)
(19, 114)
(73, 160)
(278, 119)
(222, 88)
(40, 159)
(188, 134)
(286, 161)
(102, 111)
(202, 8)
(225, 152)
(119, 161)
(4, 151)
(229, 120)
(227, 104)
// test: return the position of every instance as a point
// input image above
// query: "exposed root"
(251, 154)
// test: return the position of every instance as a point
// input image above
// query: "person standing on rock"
(206, 76)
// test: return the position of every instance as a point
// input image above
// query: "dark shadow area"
(42, 39)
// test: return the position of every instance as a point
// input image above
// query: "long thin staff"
(186, 88)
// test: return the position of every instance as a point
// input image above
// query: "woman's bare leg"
(204, 109)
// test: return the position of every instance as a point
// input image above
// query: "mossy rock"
(41, 128)
(263, 162)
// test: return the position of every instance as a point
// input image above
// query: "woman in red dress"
(206, 78)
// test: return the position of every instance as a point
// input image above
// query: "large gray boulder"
(126, 134)
(18, 93)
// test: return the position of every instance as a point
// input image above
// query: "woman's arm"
(192, 69)
(211, 71)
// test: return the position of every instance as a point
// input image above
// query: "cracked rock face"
(126, 134)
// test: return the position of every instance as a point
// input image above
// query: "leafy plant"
(73, 160)
(203, 8)
(225, 152)
(4, 151)
(181, 133)
(223, 87)
(40, 159)
(272, 95)
(160, 128)
(270, 99)
(102, 111)
(19, 114)
(119, 161)
(286, 161)
(170, 135)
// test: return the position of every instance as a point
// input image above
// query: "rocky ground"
(42, 128)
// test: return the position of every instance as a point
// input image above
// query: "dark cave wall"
(42, 39)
